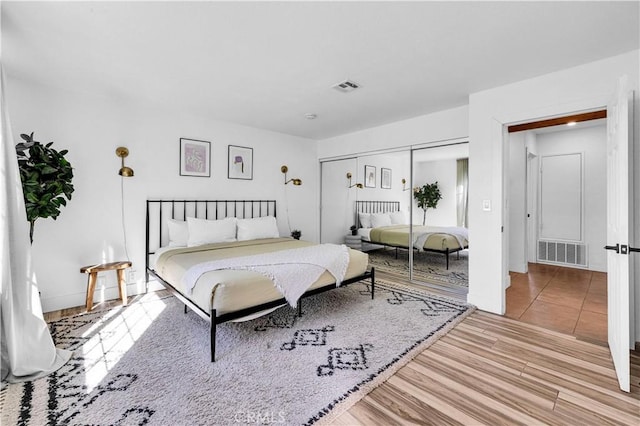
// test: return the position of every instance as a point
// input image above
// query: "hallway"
(572, 301)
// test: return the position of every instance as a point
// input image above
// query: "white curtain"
(463, 192)
(28, 351)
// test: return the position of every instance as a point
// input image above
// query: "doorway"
(557, 226)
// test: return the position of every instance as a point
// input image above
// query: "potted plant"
(296, 233)
(427, 197)
(354, 230)
(46, 179)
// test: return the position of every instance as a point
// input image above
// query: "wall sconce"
(358, 185)
(124, 171)
(404, 183)
(296, 182)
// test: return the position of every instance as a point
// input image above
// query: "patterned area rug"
(428, 267)
(148, 363)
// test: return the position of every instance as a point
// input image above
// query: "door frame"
(601, 103)
(500, 126)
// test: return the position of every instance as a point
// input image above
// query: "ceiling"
(266, 64)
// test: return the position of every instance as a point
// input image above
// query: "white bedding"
(459, 233)
(364, 233)
(292, 271)
(232, 290)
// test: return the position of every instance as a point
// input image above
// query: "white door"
(337, 201)
(618, 289)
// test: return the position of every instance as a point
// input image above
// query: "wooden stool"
(93, 270)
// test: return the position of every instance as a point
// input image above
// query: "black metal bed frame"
(255, 210)
(389, 207)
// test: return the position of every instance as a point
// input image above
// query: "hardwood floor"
(493, 370)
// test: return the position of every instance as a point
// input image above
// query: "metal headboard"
(158, 211)
(375, 207)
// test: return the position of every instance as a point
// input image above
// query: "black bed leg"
(447, 253)
(373, 282)
(185, 308)
(213, 335)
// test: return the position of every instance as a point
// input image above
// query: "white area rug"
(149, 363)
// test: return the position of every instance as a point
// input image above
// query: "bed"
(382, 223)
(192, 249)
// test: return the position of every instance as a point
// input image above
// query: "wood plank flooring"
(495, 370)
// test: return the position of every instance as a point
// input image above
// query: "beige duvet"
(398, 236)
(232, 290)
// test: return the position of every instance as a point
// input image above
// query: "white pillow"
(178, 233)
(202, 231)
(397, 218)
(256, 228)
(365, 220)
(380, 219)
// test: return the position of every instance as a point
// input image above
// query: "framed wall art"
(195, 158)
(370, 176)
(385, 178)
(240, 162)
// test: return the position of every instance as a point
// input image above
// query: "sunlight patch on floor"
(114, 335)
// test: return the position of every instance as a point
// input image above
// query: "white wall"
(532, 195)
(517, 202)
(445, 172)
(436, 127)
(581, 88)
(89, 230)
(591, 142)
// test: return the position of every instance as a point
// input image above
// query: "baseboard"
(66, 301)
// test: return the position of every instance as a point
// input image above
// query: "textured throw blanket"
(292, 271)
(420, 237)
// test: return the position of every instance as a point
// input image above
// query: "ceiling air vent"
(346, 86)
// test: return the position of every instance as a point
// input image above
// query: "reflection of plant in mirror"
(427, 197)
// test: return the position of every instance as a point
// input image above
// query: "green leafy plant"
(427, 197)
(296, 233)
(46, 179)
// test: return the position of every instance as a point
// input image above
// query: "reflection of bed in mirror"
(383, 223)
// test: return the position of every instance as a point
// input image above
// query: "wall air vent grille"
(562, 253)
(346, 86)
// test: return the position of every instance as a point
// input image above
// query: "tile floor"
(572, 301)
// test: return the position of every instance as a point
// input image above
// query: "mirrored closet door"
(366, 204)
(440, 237)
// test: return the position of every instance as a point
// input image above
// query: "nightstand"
(353, 241)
